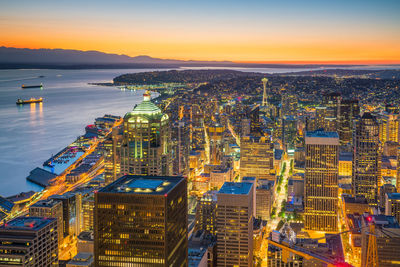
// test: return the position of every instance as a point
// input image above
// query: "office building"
(349, 111)
(289, 133)
(289, 104)
(141, 220)
(264, 199)
(392, 205)
(112, 155)
(257, 157)
(219, 176)
(357, 204)
(49, 209)
(88, 213)
(70, 211)
(82, 259)
(29, 241)
(206, 213)
(321, 181)
(181, 147)
(146, 141)
(380, 241)
(366, 158)
(235, 224)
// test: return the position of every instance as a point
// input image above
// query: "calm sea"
(30, 134)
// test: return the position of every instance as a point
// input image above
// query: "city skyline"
(256, 31)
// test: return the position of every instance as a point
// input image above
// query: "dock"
(41, 177)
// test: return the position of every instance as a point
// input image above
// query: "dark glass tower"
(366, 154)
(141, 221)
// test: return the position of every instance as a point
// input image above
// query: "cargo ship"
(31, 86)
(29, 101)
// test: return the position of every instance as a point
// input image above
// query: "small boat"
(31, 86)
(29, 101)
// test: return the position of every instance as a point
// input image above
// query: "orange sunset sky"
(255, 31)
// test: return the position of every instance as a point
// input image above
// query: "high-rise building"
(206, 212)
(289, 133)
(70, 212)
(215, 132)
(29, 242)
(88, 212)
(49, 209)
(289, 104)
(257, 157)
(366, 158)
(380, 241)
(181, 147)
(264, 199)
(398, 170)
(141, 220)
(235, 224)
(321, 181)
(320, 114)
(392, 205)
(112, 155)
(254, 116)
(349, 111)
(393, 128)
(332, 102)
(146, 141)
(382, 121)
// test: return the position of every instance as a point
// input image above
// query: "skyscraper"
(256, 157)
(289, 104)
(349, 110)
(235, 224)
(181, 147)
(141, 221)
(146, 141)
(366, 156)
(142, 146)
(321, 181)
(206, 212)
(29, 242)
(112, 155)
(49, 209)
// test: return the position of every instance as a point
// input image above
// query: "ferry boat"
(31, 86)
(29, 101)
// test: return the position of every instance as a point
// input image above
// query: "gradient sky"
(262, 31)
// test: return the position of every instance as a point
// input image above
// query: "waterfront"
(30, 134)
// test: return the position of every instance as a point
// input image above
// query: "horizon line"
(258, 62)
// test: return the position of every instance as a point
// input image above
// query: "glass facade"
(139, 227)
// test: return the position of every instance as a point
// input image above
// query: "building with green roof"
(144, 148)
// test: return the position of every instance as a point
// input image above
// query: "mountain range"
(16, 58)
(10, 55)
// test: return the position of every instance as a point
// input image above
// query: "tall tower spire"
(264, 100)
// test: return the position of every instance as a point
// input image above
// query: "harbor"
(74, 161)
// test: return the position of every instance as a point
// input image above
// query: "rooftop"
(45, 203)
(210, 196)
(242, 188)
(82, 259)
(345, 156)
(148, 185)
(393, 196)
(27, 223)
(322, 134)
(6, 205)
(146, 109)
